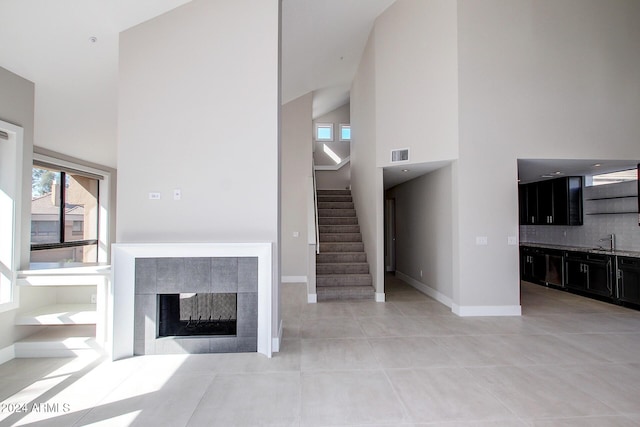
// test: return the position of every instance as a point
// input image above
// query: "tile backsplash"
(623, 225)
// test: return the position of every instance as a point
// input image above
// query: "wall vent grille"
(400, 155)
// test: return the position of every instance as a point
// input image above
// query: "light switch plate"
(512, 240)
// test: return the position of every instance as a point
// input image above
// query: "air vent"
(400, 155)
(4, 135)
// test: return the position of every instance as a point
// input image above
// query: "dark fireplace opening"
(189, 314)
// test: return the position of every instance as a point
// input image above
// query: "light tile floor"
(568, 361)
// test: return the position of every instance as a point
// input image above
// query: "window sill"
(8, 306)
(63, 274)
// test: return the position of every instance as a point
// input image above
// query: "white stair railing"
(314, 235)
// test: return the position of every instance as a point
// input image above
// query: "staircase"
(342, 271)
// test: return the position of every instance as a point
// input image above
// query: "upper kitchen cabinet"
(553, 202)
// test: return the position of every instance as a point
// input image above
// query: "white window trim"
(342, 125)
(324, 125)
(104, 185)
(16, 134)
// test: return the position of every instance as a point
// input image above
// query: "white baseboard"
(275, 343)
(486, 310)
(312, 298)
(425, 289)
(294, 279)
(7, 353)
(380, 297)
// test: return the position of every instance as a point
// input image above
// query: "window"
(615, 177)
(64, 215)
(345, 132)
(324, 131)
(11, 149)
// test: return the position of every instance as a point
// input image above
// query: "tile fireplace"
(191, 298)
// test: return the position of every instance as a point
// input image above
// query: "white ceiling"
(530, 170)
(48, 42)
(322, 43)
(397, 174)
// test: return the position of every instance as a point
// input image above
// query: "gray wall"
(341, 178)
(424, 229)
(416, 72)
(203, 122)
(199, 111)
(366, 178)
(538, 79)
(17, 107)
(340, 115)
(334, 180)
(296, 171)
(487, 83)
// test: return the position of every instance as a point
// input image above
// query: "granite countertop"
(632, 254)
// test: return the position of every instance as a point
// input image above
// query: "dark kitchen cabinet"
(528, 201)
(533, 265)
(574, 272)
(629, 280)
(553, 202)
(591, 273)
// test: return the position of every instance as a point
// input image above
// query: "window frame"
(324, 126)
(62, 218)
(13, 191)
(104, 182)
(343, 126)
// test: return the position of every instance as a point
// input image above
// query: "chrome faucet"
(611, 238)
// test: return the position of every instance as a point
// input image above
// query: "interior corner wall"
(334, 180)
(17, 107)
(538, 79)
(341, 115)
(296, 131)
(424, 229)
(366, 178)
(198, 112)
(417, 81)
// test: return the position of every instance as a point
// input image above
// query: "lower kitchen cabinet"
(591, 273)
(533, 265)
(574, 272)
(629, 280)
(606, 277)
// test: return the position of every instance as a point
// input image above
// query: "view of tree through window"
(64, 218)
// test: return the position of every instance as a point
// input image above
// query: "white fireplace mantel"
(122, 297)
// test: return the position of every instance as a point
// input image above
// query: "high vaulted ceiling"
(69, 49)
(322, 43)
(76, 78)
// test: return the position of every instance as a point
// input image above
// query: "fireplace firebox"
(197, 314)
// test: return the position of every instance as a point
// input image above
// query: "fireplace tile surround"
(154, 276)
(141, 271)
